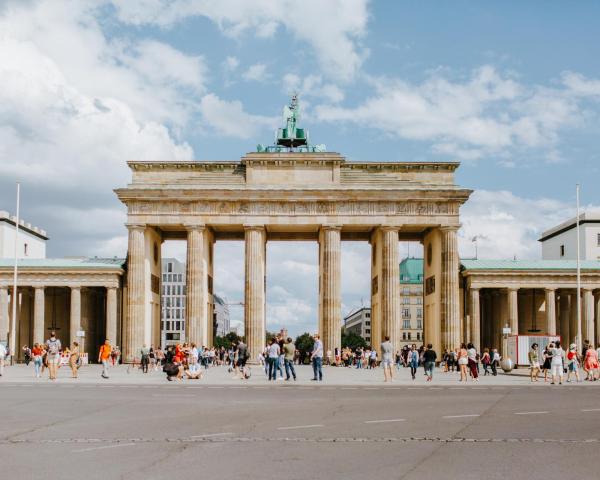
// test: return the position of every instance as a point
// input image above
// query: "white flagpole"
(15, 296)
(579, 332)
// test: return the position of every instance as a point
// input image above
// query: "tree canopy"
(352, 340)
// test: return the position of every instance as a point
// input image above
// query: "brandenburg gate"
(289, 193)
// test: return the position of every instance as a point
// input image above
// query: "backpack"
(53, 347)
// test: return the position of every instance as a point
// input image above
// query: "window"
(409, 335)
(178, 302)
(164, 277)
(24, 250)
(368, 315)
(419, 323)
(172, 336)
(367, 330)
(419, 313)
(562, 250)
(405, 291)
(367, 323)
(406, 324)
(598, 239)
(419, 301)
(168, 313)
(405, 300)
(404, 336)
(418, 335)
(179, 277)
(406, 313)
(169, 267)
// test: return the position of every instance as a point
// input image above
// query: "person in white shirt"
(193, 366)
(557, 364)
(2, 357)
(273, 358)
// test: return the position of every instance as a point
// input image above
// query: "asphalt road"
(298, 432)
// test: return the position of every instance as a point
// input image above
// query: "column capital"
(111, 287)
(449, 228)
(390, 228)
(474, 289)
(549, 289)
(512, 289)
(248, 227)
(39, 287)
(75, 287)
(136, 226)
(331, 227)
(194, 226)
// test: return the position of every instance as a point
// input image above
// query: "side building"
(173, 293)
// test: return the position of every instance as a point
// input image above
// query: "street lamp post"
(13, 321)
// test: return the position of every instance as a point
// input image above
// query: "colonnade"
(38, 332)
(386, 309)
(492, 309)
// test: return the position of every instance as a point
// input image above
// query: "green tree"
(304, 344)
(352, 340)
(269, 336)
(227, 340)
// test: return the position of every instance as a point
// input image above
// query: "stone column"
(475, 319)
(587, 314)
(75, 317)
(564, 317)
(450, 296)
(133, 331)
(111, 314)
(597, 318)
(254, 294)
(513, 311)
(38, 315)
(4, 318)
(550, 311)
(330, 292)
(390, 287)
(196, 323)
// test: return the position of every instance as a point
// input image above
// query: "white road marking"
(103, 447)
(350, 388)
(299, 426)
(530, 413)
(174, 395)
(591, 410)
(212, 435)
(462, 416)
(387, 421)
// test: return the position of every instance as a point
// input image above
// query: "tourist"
(53, 348)
(446, 360)
(280, 360)
(413, 361)
(400, 359)
(289, 351)
(316, 357)
(584, 349)
(273, 358)
(160, 358)
(37, 353)
(473, 361)
(193, 358)
(495, 361)
(387, 351)
(26, 354)
(372, 359)
(486, 360)
(557, 363)
(591, 363)
(429, 358)
(74, 360)
(534, 363)
(240, 358)
(104, 357)
(359, 357)
(547, 356)
(145, 358)
(573, 363)
(152, 357)
(463, 362)
(2, 357)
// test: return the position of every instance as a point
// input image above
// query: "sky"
(510, 89)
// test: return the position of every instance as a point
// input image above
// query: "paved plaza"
(350, 426)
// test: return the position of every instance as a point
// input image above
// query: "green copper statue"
(291, 138)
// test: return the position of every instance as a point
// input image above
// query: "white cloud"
(486, 114)
(312, 86)
(228, 118)
(257, 73)
(231, 63)
(333, 28)
(508, 225)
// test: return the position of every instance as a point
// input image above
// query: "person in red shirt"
(573, 362)
(37, 352)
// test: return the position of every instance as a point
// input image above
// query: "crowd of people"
(280, 356)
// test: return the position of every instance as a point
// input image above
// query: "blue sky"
(511, 89)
